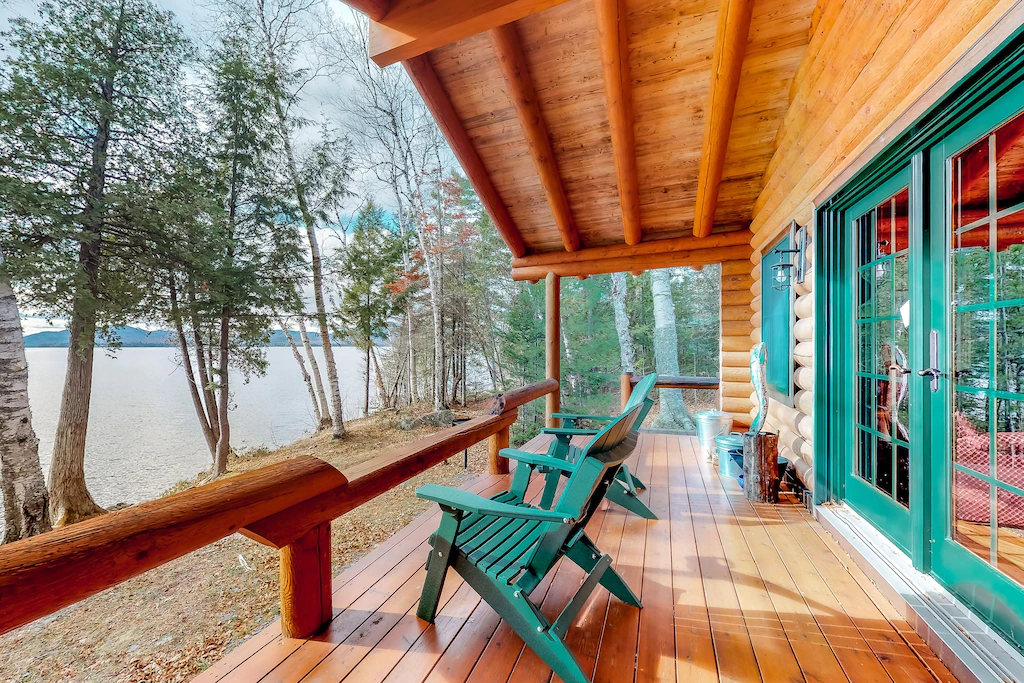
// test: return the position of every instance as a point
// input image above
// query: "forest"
(263, 177)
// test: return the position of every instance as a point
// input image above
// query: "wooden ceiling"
(583, 124)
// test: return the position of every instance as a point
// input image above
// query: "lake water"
(143, 432)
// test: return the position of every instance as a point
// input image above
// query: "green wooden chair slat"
(510, 545)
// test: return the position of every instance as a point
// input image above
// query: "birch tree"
(627, 350)
(21, 478)
(287, 29)
(672, 412)
(92, 93)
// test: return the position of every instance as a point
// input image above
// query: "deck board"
(733, 591)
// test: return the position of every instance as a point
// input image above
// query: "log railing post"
(496, 464)
(625, 388)
(553, 344)
(306, 583)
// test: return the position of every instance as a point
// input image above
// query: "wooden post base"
(306, 583)
(495, 463)
(761, 467)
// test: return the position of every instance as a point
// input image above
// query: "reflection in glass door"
(878, 480)
(986, 190)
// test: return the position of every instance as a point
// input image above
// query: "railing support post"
(496, 464)
(625, 388)
(553, 345)
(306, 583)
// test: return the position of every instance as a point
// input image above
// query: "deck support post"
(306, 583)
(553, 344)
(496, 464)
(625, 388)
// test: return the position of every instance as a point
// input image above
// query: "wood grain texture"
(726, 62)
(632, 264)
(614, 40)
(39, 575)
(496, 464)
(520, 88)
(413, 27)
(552, 344)
(306, 583)
(374, 9)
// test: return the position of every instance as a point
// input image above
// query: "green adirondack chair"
(624, 491)
(503, 547)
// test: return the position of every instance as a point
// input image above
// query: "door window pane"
(1010, 442)
(865, 458)
(1010, 534)
(972, 266)
(970, 184)
(971, 514)
(971, 348)
(1009, 356)
(883, 229)
(970, 424)
(1010, 257)
(1010, 164)
(901, 220)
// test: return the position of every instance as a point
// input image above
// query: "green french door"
(976, 401)
(884, 251)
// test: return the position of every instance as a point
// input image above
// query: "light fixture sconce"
(787, 268)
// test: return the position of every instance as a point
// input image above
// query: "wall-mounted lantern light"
(792, 262)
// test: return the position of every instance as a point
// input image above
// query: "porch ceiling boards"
(593, 123)
(732, 591)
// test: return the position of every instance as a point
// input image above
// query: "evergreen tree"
(371, 266)
(92, 94)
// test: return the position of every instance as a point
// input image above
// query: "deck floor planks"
(655, 661)
(753, 592)
(899, 660)
(695, 649)
(734, 651)
(774, 653)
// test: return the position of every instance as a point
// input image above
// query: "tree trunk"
(70, 500)
(220, 460)
(385, 400)
(305, 375)
(186, 358)
(26, 510)
(318, 275)
(761, 467)
(366, 400)
(314, 367)
(672, 412)
(627, 351)
(205, 365)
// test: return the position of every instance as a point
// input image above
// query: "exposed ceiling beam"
(375, 9)
(436, 98)
(521, 92)
(614, 42)
(414, 27)
(726, 63)
(736, 238)
(634, 264)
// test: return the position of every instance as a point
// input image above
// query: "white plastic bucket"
(711, 423)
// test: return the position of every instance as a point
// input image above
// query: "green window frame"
(777, 323)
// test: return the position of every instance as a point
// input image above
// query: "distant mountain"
(134, 337)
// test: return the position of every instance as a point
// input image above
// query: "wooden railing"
(630, 380)
(288, 506)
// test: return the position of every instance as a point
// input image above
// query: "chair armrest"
(584, 416)
(568, 431)
(470, 502)
(537, 460)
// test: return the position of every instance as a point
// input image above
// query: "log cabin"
(857, 169)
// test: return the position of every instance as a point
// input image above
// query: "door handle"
(933, 362)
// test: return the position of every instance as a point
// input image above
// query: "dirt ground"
(174, 621)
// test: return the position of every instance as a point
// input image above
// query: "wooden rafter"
(521, 92)
(414, 27)
(633, 264)
(611, 29)
(433, 93)
(730, 46)
(375, 9)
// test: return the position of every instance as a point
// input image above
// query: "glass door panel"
(977, 263)
(878, 484)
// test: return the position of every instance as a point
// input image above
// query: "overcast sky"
(197, 18)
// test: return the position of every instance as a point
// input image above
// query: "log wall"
(737, 293)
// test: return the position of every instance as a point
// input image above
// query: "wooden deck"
(732, 591)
